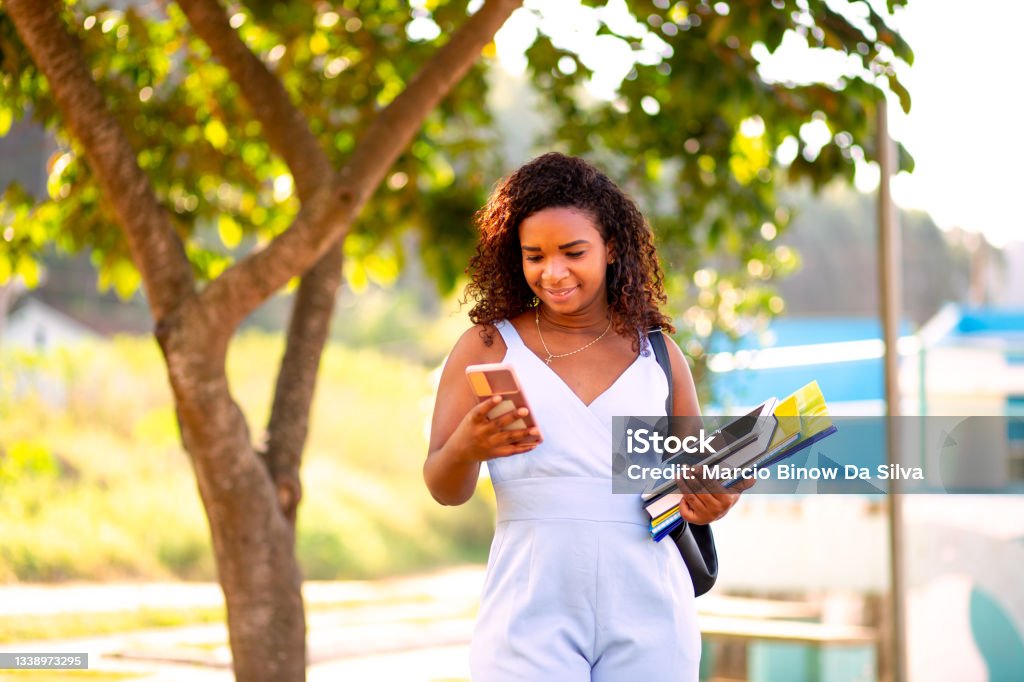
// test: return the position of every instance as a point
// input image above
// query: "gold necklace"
(552, 356)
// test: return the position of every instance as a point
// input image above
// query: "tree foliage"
(709, 141)
(197, 140)
(694, 127)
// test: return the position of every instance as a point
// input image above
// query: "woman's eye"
(574, 254)
(531, 259)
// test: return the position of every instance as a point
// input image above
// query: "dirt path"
(410, 628)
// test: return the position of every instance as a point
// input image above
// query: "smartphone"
(500, 379)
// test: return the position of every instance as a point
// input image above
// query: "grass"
(24, 628)
(94, 484)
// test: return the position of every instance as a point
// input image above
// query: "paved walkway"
(410, 628)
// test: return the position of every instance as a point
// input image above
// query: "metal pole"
(891, 294)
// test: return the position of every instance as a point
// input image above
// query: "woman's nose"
(554, 269)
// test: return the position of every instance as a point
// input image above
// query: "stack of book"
(795, 423)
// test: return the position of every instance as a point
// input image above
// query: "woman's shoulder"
(481, 343)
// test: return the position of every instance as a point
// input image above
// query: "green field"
(94, 484)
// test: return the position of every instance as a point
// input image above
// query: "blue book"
(671, 525)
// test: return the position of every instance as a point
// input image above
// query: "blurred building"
(39, 327)
(961, 554)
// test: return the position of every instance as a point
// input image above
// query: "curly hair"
(497, 285)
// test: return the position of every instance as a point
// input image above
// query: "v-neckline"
(562, 381)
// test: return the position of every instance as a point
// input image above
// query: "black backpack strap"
(657, 339)
(696, 543)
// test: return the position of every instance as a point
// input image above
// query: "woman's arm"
(461, 435)
(699, 504)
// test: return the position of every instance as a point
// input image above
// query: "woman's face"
(564, 258)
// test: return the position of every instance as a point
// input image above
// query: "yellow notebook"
(803, 411)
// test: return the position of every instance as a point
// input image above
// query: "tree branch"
(155, 248)
(296, 380)
(287, 131)
(394, 127)
(322, 220)
(285, 127)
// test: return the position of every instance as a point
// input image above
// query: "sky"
(965, 128)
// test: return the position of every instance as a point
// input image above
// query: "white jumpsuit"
(575, 588)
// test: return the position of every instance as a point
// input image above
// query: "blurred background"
(770, 289)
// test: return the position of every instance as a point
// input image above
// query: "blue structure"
(967, 549)
(844, 355)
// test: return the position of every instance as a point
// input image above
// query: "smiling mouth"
(561, 292)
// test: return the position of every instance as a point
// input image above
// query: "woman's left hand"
(702, 504)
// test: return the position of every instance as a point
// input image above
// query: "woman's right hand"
(479, 439)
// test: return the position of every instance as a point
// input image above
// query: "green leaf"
(215, 133)
(230, 232)
(382, 267)
(355, 277)
(901, 92)
(28, 269)
(126, 282)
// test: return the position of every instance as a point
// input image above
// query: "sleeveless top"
(577, 437)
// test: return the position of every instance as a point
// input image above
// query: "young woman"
(566, 284)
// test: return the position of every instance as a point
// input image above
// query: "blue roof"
(798, 331)
(839, 382)
(854, 380)
(989, 321)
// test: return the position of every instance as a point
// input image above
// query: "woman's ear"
(609, 250)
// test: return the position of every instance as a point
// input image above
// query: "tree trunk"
(253, 541)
